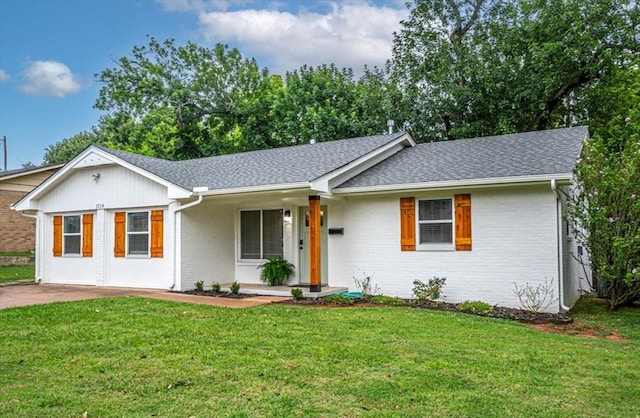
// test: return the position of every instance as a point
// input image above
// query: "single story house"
(17, 233)
(486, 213)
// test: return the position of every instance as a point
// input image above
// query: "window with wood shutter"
(407, 224)
(463, 222)
(57, 236)
(87, 235)
(73, 235)
(139, 233)
(435, 224)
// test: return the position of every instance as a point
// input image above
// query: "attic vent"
(312, 141)
(390, 125)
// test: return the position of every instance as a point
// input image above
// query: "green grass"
(141, 357)
(13, 273)
(18, 254)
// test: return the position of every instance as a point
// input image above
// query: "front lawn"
(143, 357)
(13, 273)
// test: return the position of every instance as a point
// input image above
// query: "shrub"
(428, 291)
(199, 285)
(365, 286)
(235, 288)
(339, 299)
(475, 306)
(387, 300)
(215, 287)
(535, 298)
(296, 293)
(276, 271)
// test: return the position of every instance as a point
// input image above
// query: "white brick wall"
(207, 245)
(514, 240)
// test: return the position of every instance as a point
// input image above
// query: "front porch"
(264, 290)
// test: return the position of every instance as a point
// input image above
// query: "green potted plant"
(276, 271)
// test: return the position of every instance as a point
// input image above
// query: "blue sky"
(50, 50)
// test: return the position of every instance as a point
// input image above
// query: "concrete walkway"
(38, 294)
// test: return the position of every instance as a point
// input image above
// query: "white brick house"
(485, 213)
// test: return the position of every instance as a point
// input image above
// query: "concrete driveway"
(37, 294)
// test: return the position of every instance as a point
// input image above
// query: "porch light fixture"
(95, 176)
(287, 216)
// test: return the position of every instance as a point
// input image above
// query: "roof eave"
(561, 178)
(268, 188)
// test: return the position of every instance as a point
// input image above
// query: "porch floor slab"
(264, 290)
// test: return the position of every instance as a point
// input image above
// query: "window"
(138, 233)
(71, 234)
(435, 222)
(261, 234)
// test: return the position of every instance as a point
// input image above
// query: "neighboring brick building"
(18, 233)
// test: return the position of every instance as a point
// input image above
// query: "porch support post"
(314, 244)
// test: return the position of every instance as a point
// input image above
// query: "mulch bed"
(211, 293)
(497, 311)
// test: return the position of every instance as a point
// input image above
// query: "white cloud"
(4, 76)
(350, 34)
(49, 78)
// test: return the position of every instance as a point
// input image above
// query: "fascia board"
(269, 188)
(344, 173)
(564, 178)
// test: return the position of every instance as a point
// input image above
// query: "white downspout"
(38, 252)
(555, 190)
(175, 247)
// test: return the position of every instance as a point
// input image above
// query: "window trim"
(127, 233)
(71, 234)
(436, 246)
(239, 243)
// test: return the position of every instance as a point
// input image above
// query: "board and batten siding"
(206, 245)
(117, 189)
(514, 240)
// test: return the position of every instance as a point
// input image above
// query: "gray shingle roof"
(295, 164)
(524, 154)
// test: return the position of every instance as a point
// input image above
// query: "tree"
(482, 67)
(605, 209)
(195, 92)
(66, 149)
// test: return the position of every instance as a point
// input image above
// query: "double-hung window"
(71, 234)
(138, 233)
(435, 224)
(261, 234)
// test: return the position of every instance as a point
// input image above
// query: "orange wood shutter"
(87, 235)
(119, 234)
(407, 224)
(57, 236)
(463, 222)
(156, 233)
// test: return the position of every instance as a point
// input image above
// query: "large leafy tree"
(479, 67)
(192, 91)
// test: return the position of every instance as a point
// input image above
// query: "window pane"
(250, 234)
(434, 210)
(72, 224)
(72, 244)
(436, 233)
(272, 233)
(138, 243)
(138, 222)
